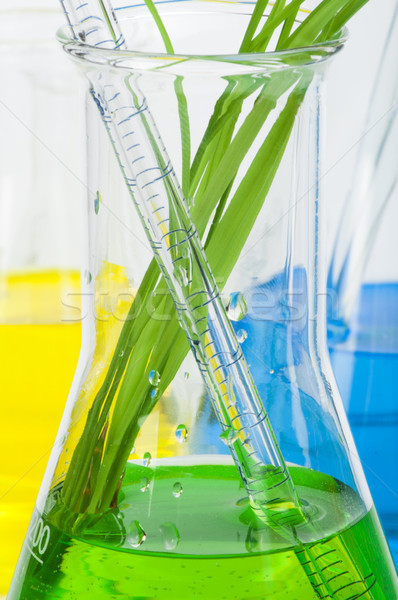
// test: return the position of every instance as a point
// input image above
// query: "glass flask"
(363, 281)
(142, 498)
(40, 233)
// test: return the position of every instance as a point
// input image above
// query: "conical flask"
(142, 498)
(39, 256)
(363, 321)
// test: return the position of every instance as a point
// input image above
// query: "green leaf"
(185, 135)
(163, 32)
(257, 15)
(276, 18)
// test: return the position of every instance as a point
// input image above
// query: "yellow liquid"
(39, 346)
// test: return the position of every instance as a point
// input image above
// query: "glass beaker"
(40, 230)
(142, 498)
(363, 278)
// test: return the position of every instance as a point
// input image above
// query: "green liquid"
(191, 535)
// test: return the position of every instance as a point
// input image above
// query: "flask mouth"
(150, 56)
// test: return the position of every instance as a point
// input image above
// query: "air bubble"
(181, 434)
(147, 459)
(271, 372)
(229, 436)
(241, 335)
(154, 378)
(144, 484)
(135, 534)
(170, 536)
(236, 306)
(177, 490)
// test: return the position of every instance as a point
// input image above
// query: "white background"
(349, 84)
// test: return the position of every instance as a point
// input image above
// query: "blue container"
(365, 364)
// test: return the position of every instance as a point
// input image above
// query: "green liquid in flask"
(188, 532)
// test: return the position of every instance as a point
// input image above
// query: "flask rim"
(164, 62)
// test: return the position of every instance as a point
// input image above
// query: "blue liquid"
(365, 364)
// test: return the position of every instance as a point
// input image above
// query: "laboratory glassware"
(141, 477)
(40, 230)
(363, 292)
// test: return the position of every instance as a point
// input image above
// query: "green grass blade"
(159, 23)
(241, 143)
(344, 15)
(309, 30)
(286, 29)
(276, 18)
(185, 135)
(255, 19)
(200, 161)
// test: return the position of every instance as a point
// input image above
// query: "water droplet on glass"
(97, 202)
(135, 534)
(154, 393)
(87, 277)
(271, 372)
(147, 459)
(231, 394)
(177, 490)
(182, 275)
(132, 450)
(186, 375)
(241, 335)
(229, 436)
(236, 306)
(170, 536)
(181, 434)
(154, 378)
(121, 353)
(194, 339)
(185, 252)
(144, 484)
(247, 443)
